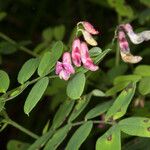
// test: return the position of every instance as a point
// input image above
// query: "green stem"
(117, 55)
(22, 48)
(94, 121)
(16, 125)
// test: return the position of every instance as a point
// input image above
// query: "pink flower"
(88, 37)
(64, 69)
(85, 57)
(123, 43)
(76, 57)
(125, 50)
(136, 38)
(89, 27)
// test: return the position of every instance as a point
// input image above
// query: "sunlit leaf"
(144, 86)
(136, 126)
(119, 107)
(110, 140)
(143, 70)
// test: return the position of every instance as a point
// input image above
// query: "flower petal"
(85, 57)
(76, 56)
(129, 58)
(89, 27)
(64, 75)
(66, 58)
(68, 68)
(89, 65)
(123, 43)
(59, 67)
(88, 38)
(136, 38)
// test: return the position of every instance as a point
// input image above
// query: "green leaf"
(145, 2)
(47, 34)
(7, 48)
(35, 94)
(98, 93)
(137, 144)
(27, 70)
(143, 70)
(2, 15)
(40, 142)
(17, 145)
(44, 65)
(136, 126)
(116, 71)
(4, 81)
(126, 78)
(119, 107)
(98, 110)
(59, 32)
(95, 51)
(76, 85)
(121, 8)
(110, 140)
(144, 17)
(62, 113)
(81, 104)
(49, 59)
(57, 138)
(15, 92)
(101, 56)
(144, 86)
(79, 136)
(117, 88)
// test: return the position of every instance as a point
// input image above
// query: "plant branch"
(20, 47)
(7, 120)
(94, 121)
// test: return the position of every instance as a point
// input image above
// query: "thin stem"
(21, 128)
(117, 55)
(22, 48)
(94, 121)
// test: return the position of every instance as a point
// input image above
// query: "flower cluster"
(136, 38)
(79, 54)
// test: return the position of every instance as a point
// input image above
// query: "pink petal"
(85, 57)
(90, 66)
(76, 56)
(64, 75)
(89, 27)
(68, 68)
(66, 58)
(127, 27)
(59, 67)
(123, 43)
(84, 52)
